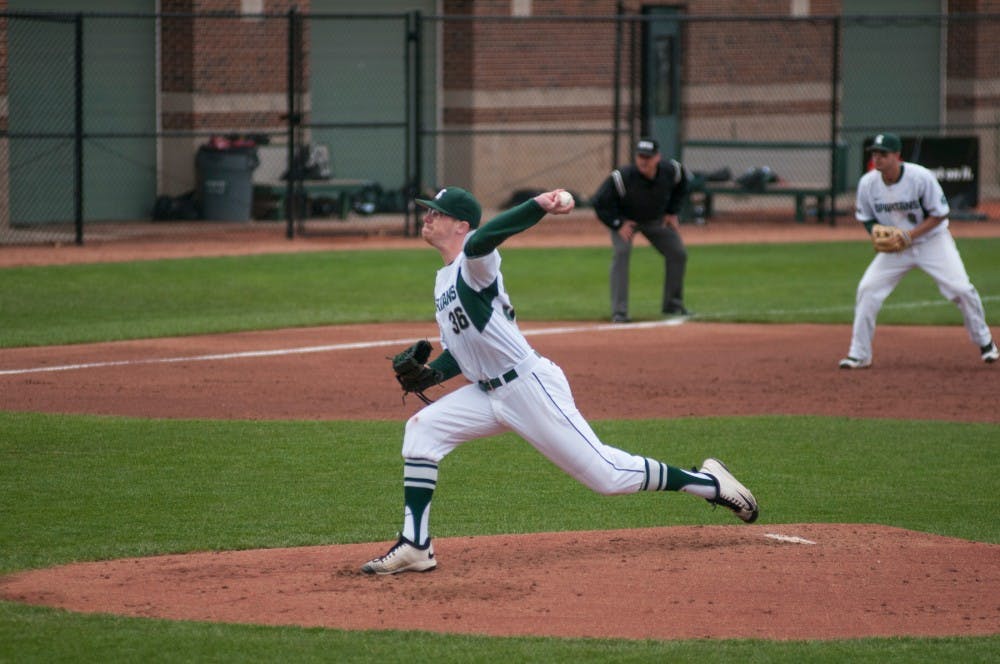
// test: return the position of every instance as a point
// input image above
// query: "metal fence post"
(294, 119)
(834, 111)
(78, 130)
(634, 83)
(617, 104)
(414, 119)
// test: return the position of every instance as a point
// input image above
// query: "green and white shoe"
(404, 556)
(730, 493)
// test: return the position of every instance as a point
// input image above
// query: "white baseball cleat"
(854, 363)
(990, 352)
(404, 556)
(730, 492)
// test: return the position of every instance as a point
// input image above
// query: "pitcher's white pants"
(539, 407)
(937, 256)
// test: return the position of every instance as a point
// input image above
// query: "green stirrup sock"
(687, 481)
(419, 482)
(416, 501)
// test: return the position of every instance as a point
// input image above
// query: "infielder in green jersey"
(907, 196)
(511, 387)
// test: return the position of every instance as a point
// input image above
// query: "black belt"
(494, 383)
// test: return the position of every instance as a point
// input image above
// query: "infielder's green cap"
(885, 143)
(455, 202)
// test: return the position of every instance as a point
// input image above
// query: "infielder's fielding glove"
(412, 371)
(889, 239)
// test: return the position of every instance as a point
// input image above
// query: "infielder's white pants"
(937, 256)
(539, 407)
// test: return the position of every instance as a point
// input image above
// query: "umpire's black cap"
(455, 202)
(647, 147)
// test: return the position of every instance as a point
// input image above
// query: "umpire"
(645, 197)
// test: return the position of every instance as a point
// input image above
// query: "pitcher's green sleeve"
(490, 235)
(446, 364)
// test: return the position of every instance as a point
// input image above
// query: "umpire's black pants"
(665, 240)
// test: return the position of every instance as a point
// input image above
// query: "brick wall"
(226, 58)
(223, 74)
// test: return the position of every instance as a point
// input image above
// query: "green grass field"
(87, 488)
(760, 283)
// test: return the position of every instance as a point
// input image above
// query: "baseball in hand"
(565, 198)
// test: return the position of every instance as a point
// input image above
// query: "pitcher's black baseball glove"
(412, 371)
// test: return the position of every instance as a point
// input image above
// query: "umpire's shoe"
(404, 556)
(730, 492)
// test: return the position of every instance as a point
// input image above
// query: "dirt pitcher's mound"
(756, 581)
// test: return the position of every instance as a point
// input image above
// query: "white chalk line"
(793, 539)
(359, 345)
(920, 304)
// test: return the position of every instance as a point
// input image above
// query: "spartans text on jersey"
(897, 206)
(446, 298)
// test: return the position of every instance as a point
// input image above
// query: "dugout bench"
(316, 191)
(337, 194)
(803, 169)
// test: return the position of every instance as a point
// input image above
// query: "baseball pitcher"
(510, 386)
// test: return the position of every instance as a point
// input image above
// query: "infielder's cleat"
(675, 312)
(730, 492)
(620, 318)
(404, 556)
(990, 353)
(854, 363)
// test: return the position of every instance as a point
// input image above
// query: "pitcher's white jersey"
(905, 203)
(533, 398)
(476, 317)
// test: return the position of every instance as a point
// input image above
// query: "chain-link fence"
(117, 118)
(115, 124)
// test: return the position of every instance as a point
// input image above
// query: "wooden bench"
(270, 189)
(803, 169)
(269, 197)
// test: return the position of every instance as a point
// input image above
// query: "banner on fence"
(953, 159)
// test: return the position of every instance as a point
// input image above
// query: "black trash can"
(225, 181)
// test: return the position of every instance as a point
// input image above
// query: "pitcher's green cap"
(455, 202)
